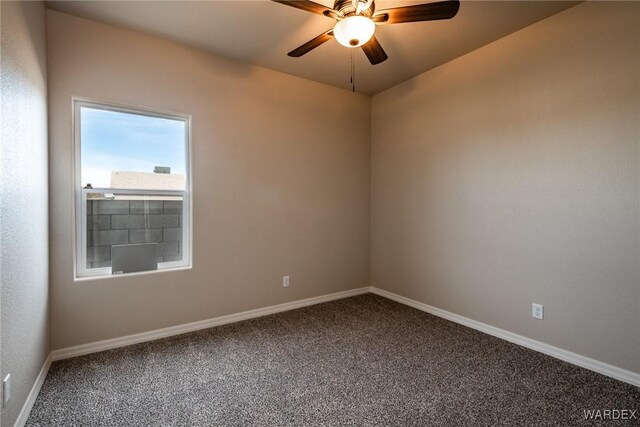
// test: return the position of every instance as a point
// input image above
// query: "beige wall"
(280, 179)
(24, 270)
(511, 176)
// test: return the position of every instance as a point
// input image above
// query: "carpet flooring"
(361, 361)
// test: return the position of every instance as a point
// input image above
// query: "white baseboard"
(33, 394)
(95, 347)
(576, 359)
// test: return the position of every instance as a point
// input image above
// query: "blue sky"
(116, 141)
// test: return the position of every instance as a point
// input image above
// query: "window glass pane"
(133, 179)
(122, 219)
(125, 150)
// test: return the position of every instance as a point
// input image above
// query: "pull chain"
(353, 73)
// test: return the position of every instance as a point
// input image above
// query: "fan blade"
(418, 12)
(311, 44)
(374, 51)
(309, 6)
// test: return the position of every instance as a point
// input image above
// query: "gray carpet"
(363, 361)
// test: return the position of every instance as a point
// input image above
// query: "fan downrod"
(345, 8)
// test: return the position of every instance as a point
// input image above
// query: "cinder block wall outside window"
(117, 222)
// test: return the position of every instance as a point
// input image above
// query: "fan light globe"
(354, 31)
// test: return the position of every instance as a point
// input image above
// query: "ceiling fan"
(357, 20)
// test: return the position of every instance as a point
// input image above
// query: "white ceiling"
(262, 32)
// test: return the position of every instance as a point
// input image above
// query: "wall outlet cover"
(6, 390)
(537, 311)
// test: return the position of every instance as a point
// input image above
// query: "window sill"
(89, 278)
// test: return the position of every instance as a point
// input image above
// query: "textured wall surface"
(24, 267)
(280, 182)
(511, 175)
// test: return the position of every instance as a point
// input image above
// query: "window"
(132, 190)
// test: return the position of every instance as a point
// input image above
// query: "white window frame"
(80, 200)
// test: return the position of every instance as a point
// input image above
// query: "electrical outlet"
(6, 390)
(537, 311)
(285, 281)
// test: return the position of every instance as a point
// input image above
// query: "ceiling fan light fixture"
(354, 31)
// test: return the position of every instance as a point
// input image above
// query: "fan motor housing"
(345, 8)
